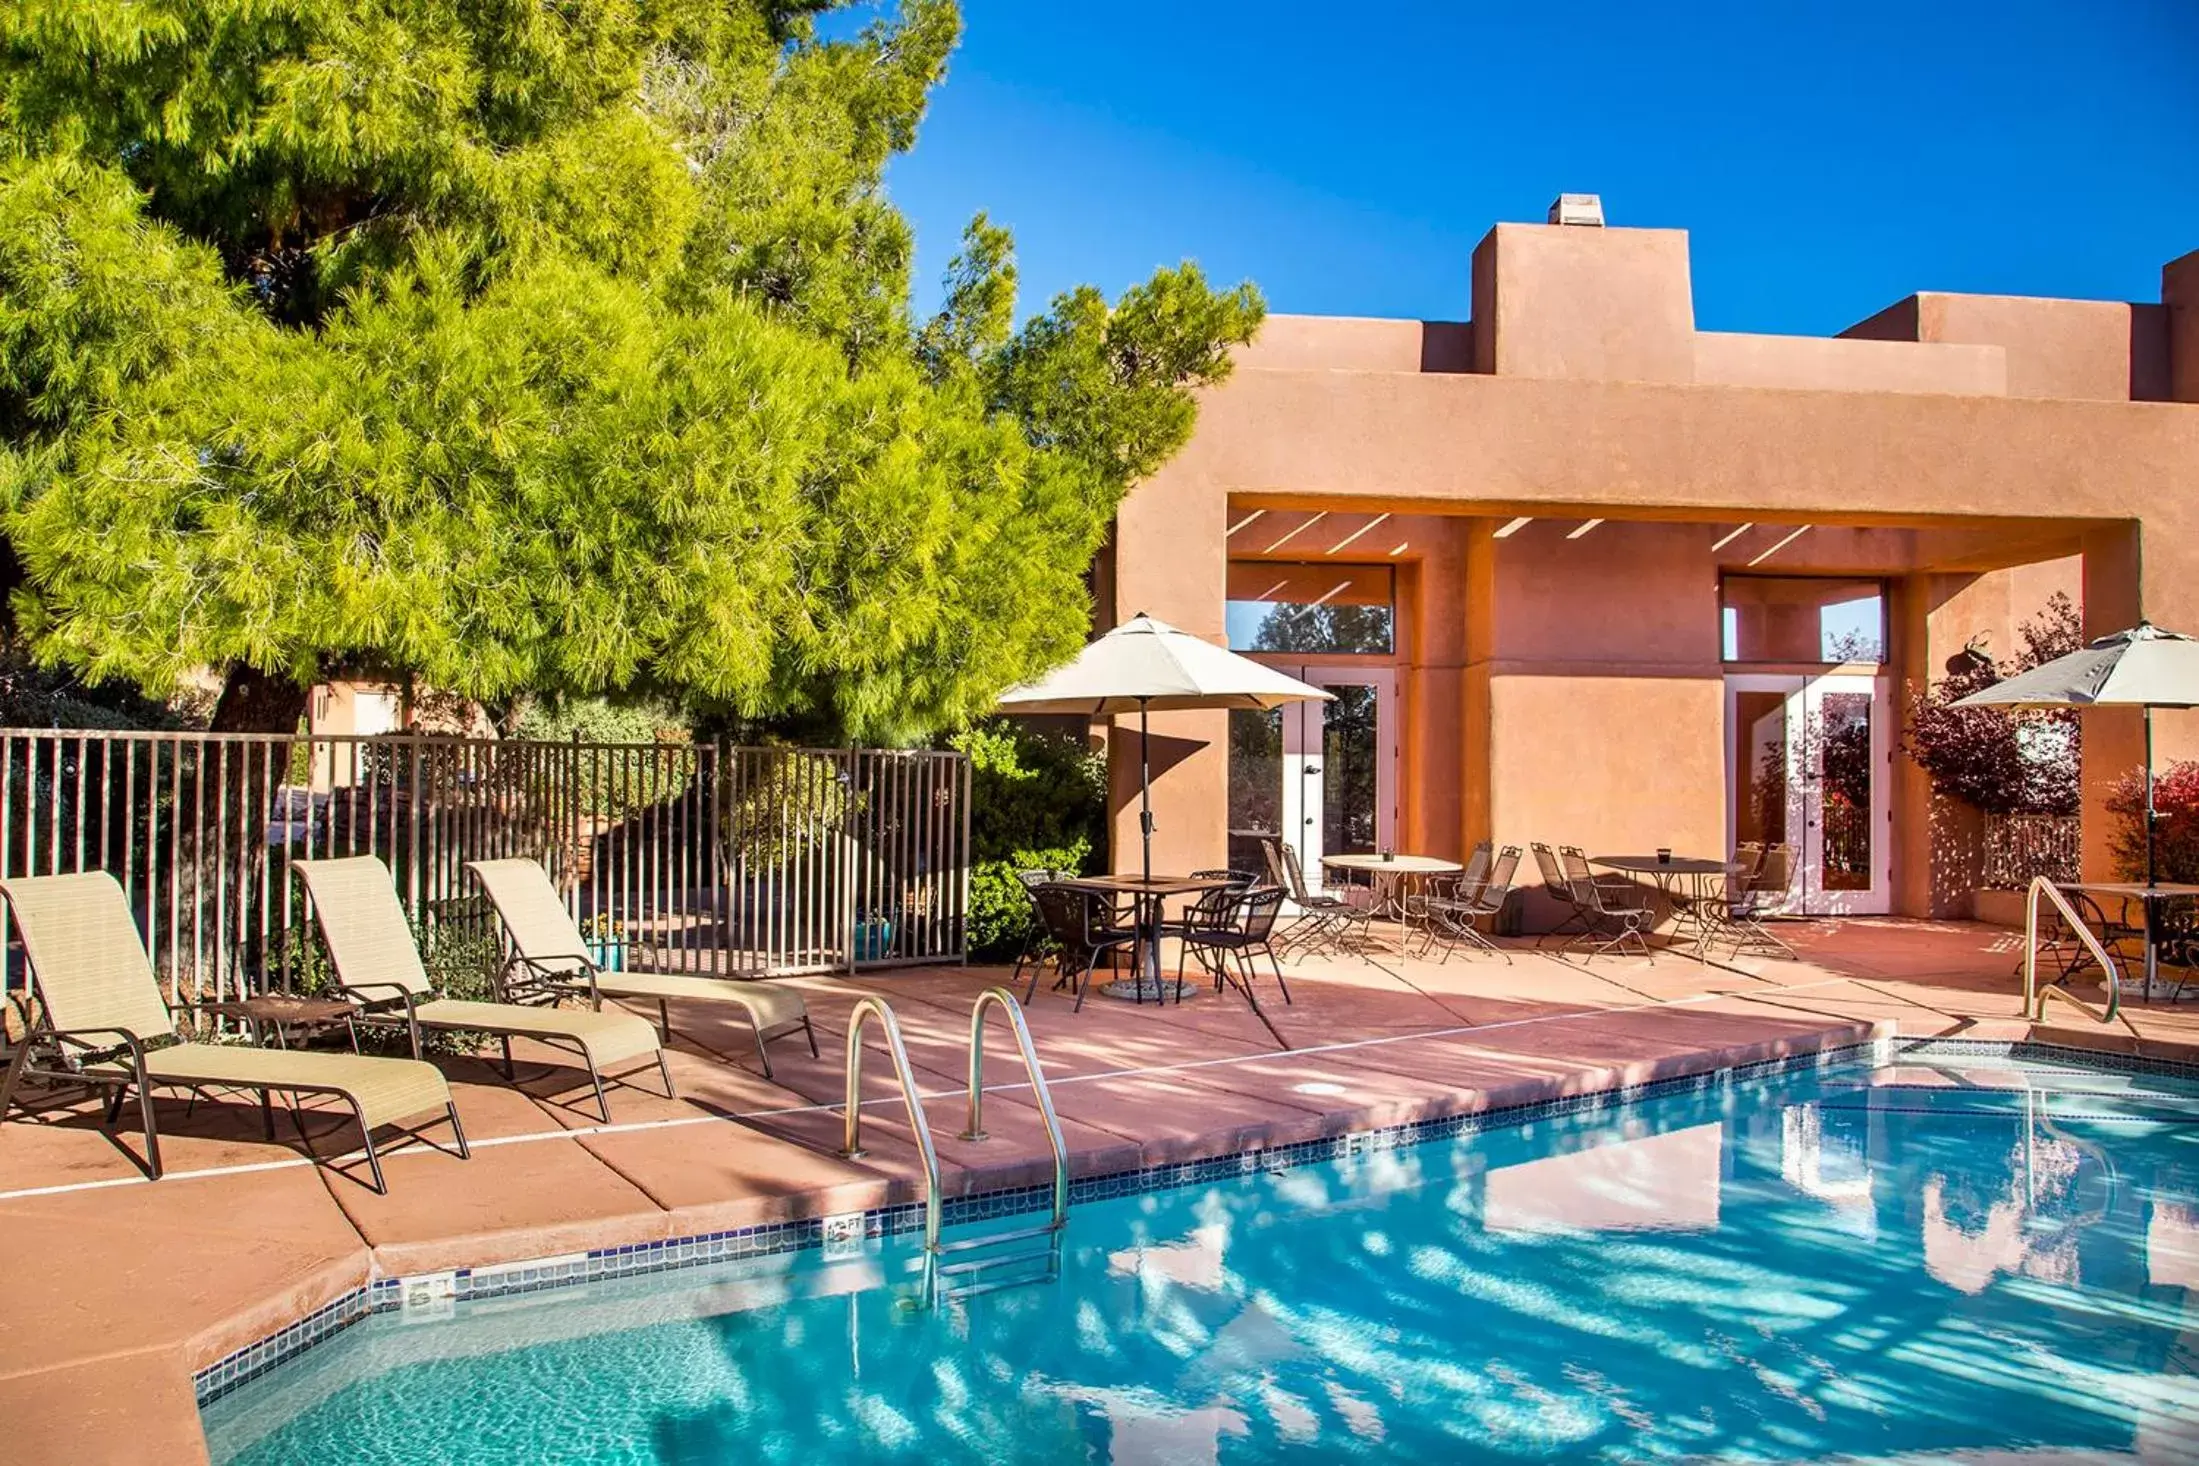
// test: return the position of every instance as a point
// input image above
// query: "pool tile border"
(384, 1295)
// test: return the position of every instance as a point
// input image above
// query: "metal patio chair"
(1417, 900)
(1617, 912)
(1243, 929)
(1038, 947)
(1325, 921)
(1451, 920)
(1760, 897)
(1579, 921)
(1080, 924)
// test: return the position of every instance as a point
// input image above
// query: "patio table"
(1147, 893)
(1390, 874)
(1668, 872)
(2149, 899)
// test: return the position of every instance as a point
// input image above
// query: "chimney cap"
(1584, 209)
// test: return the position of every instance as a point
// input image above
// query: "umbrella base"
(1146, 990)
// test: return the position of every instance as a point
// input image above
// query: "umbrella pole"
(1145, 788)
(2151, 815)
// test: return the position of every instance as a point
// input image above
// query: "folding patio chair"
(1616, 912)
(1324, 921)
(1455, 917)
(1762, 897)
(1579, 920)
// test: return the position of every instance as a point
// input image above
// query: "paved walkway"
(117, 1289)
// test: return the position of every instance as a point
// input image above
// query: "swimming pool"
(1943, 1257)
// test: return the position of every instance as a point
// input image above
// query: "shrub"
(797, 800)
(461, 962)
(2003, 762)
(2176, 830)
(1037, 799)
(612, 784)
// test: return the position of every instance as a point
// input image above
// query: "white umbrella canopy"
(1144, 666)
(2144, 667)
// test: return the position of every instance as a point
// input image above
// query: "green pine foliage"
(559, 349)
(1038, 801)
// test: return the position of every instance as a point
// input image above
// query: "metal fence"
(2019, 847)
(704, 858)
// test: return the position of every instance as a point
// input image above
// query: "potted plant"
(873, 936)
(606, 942)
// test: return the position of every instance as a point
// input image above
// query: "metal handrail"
(2034, 999)
(1001, 998)
(852, 1149)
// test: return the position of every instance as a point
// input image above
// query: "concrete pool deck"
(119, 1289)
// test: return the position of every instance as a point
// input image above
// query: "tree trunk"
(253, 701)
(243, 776)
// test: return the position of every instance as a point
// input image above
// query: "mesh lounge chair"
(101, 1022)
(1616, 915)
(1452, 918)
(549, 959)
(377, 967)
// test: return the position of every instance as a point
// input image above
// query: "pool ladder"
(980, 1274)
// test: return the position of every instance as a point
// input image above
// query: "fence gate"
(703, 858)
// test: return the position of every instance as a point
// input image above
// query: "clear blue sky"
(1828, 158)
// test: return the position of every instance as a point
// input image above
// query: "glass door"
(1806, 766)
(1321, 774)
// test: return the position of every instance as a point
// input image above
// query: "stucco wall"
(1736, 360)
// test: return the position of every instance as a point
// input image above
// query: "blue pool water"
(1941, 1259)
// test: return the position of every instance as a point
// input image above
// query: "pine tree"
(531, 348)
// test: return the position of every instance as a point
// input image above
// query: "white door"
(1339, 793)
(1807, 764)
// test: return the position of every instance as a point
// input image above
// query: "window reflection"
(1775, 618)
(1315, 609)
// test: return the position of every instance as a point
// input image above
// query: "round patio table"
(1668, 873)
(1390, 875)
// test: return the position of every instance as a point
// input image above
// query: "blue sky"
(1827, 158)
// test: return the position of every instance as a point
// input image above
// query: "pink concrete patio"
(118, 1289)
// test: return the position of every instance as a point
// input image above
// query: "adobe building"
(1581, 573)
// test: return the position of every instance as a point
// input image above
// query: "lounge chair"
(102, 1022)
(549, 959)
(377, 967)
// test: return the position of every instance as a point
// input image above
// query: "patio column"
(1171, 560)
(2114, 738)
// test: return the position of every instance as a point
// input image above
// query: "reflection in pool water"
(1943, 1257)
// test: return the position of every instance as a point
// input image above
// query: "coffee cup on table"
(1664, 855)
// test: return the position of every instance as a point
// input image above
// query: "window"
(1277, 606)
(1768, 618)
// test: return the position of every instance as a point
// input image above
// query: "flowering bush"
(2003, 762)
(2176, 831)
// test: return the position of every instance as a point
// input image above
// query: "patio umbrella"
(1146, 666)
(2144, 667)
